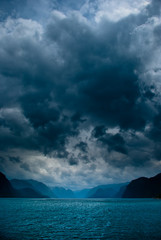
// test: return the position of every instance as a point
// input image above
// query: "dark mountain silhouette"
(139, 188)
(33, 184)
(143, 187)
(7, 190)
(159, 195)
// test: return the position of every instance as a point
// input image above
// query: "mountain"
(81, 193)
(7, 190)
(159, 195)
(138, 188)
(144, 187)
(30, 193)
(19, 184)
(34, 185)
(106, 191)
(119, 194)
(61, 192)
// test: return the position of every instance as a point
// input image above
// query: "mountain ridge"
(7, 190)
(33, 184)
(144, 187)
(141, 187)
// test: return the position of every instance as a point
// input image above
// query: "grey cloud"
(99, 131)
(82, 146)
(94, 63)
(25, 166)
(114, 142)
(68, 76)
(14, 159)
(73, 161)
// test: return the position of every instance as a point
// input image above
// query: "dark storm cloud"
(114, 142)
(77, 118)
(82, 146)
(99, 131)
(69, 75)
(101, 70)
(15, 159)
(73, 161)
(37, 109)
(155, 130)
(25, 166)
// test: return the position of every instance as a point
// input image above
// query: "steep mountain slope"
(7, 190)
(34, 185)
(143, 187)
(106, 191)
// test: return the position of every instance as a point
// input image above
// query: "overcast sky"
(80, 90)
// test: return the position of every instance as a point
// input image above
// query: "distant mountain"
(30, 193)
(144, 187)
(7, 190)
(81, 193)
(33, 184)
(139, 188)
(61, 192)
(107, 191)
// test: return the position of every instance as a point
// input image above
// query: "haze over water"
(80, 219)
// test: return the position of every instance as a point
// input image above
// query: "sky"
(80, 90)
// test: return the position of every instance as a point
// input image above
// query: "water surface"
(62, 219)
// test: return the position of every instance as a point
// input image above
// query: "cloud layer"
(80, 100)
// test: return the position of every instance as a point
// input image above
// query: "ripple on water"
(80, 219)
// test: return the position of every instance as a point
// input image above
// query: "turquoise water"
(22, 219)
